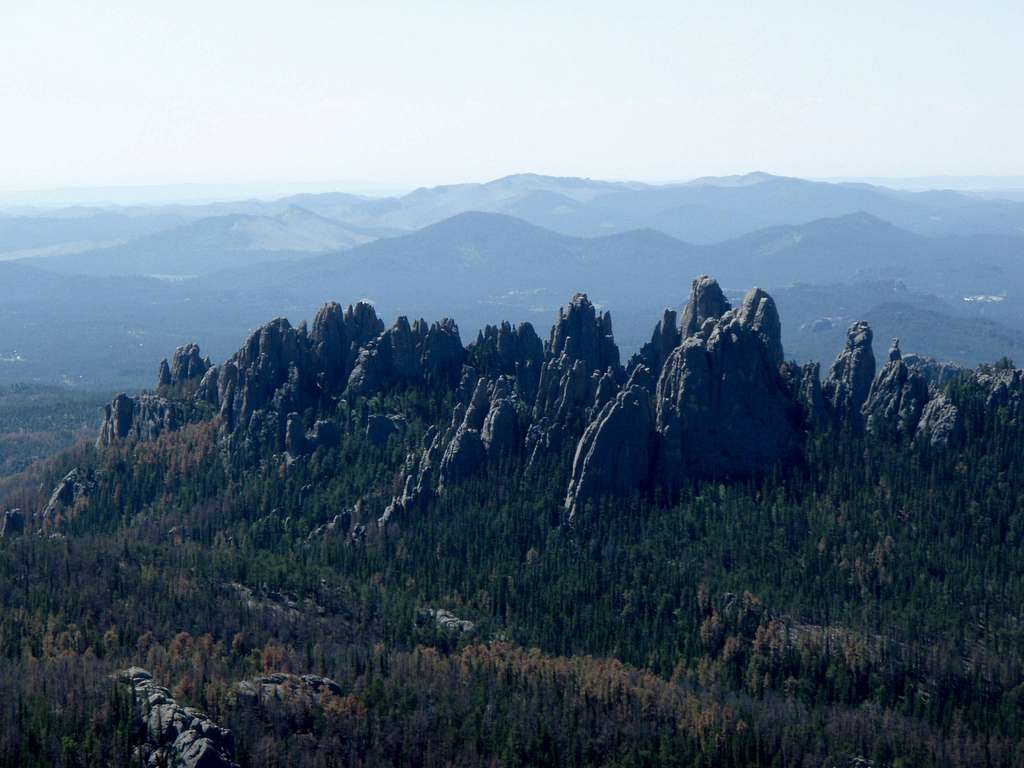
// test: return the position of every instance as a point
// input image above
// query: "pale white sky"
(105, 92)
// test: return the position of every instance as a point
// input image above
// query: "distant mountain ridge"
(214, 243)
(703, 211)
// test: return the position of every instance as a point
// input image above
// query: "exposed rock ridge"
(176, 735)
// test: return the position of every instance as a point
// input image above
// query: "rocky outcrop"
(579, 352)
(336, 338)
(380, 427)
(653, 354)
(706, 302)
(941, 423)
(445, 620)
(482, 429)
(182, 376)
(1005, 387)
(463, 456)
(936, 373)
(723, 407)
(175, 735)
(896, 399)
(281, 686)
(409, 354)
(145, 417)
(74, 486)
(805, 388)
(504, 350)
(615, 454)
(12, 524)
(499, 433)
(338, 525)
(849, 379)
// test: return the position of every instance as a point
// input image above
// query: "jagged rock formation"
(578, 354)
(336, 339)
(504, 350)
(805, 388)
(338, 525)
(653, 354)
(897, 397)
(706, 302)
(406, 354)
(614, 456)
(846, 387)
(176, 735)
(280, 370)
(723, 407)
(186, 370)
(145, 417)
(936, 373)
(72, 487)
(1005, 389)
(710, 396)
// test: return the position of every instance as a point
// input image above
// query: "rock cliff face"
(846, 387)
(143, 418)
(183, 374)
(579, 352)
(406, 354)
(706, 302)
(176, 735)
(896, 399)
(614, 457)
(336, 339)
(723, 407)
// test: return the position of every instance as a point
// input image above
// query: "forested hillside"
(359, 545)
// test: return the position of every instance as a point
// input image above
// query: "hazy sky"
(141, 92)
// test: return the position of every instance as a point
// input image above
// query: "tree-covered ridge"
(864, 601)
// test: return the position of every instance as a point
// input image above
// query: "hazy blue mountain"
(218, 242)
(860, 246)
(702, 211)
(76, 229)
